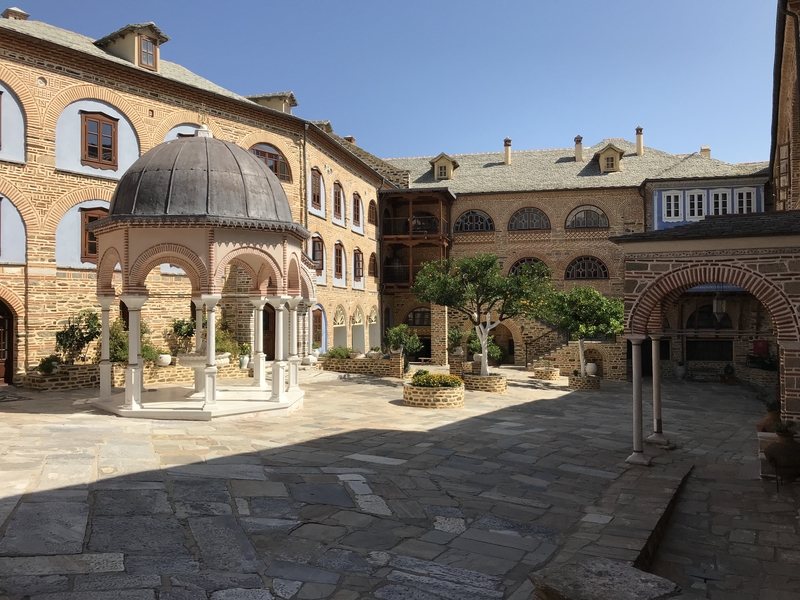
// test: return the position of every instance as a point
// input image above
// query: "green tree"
(77, 334)
(477, 288)
(584, 313)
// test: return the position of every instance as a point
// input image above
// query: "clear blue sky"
(415, 77)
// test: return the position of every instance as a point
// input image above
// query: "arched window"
(338, 261)
(527, 219)
(373, 265)
(338, 200)
(356, 210)
(586, 267)
(586, 217)
(474, 220)
(517, 266)
(704, 318)
(318, 254)
(273, 158)
(372, 213)
(419, 317)
(316, 188)
(358, 265)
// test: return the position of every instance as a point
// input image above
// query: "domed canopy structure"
(200, 178)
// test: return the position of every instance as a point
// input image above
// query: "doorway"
(269, 332)
(6, 344)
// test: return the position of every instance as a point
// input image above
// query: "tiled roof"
(556, 169)
(287, 95)
(394, 175)
(86, 45)
(162, 37)
(777, 223)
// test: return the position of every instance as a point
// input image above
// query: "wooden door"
(317, 326)
(269, 332)
(6, 344)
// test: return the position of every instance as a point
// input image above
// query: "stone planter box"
(496, 384)
(576, 382)
(367, 366)
(546, 373)
(430, 397)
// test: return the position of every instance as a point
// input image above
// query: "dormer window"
(442, 174)
(147, 53)
(443, 167)
(609, 158)
(610, 163)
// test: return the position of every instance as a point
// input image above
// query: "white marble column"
(199, 375)
(658, 433)
(294, 359)
(211, 301)
(637, 457)
(134, 376)
(259, 360)
(105, 362)
(279, 364)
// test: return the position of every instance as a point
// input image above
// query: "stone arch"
(173, 254)
(180, 117)
(248, 268)
(25, 97)
(268, 268)
(91, 92)
(30, 217)
(771, 296)
(307, 287)
(13, 301)
(264, 137)
(60, 207)
(105, 271)
(293, 277)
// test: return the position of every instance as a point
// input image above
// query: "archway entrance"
(269, 332)
(6, 343)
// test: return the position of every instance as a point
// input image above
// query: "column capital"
(258, 302)
(310, 301)
(106, 301)
(293, 303)
(198, 301)
(133, 301)
(210, 300)
(278, 301)
(655, 336)
(635, 338)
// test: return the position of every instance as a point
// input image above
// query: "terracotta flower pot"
(768, 422)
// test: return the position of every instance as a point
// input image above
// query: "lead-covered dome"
(201, 178)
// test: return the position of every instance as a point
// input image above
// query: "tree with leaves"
(477, 288)
(584, 313)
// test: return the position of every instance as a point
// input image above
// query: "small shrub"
(118, 343)
(784, 427)
(435, 380)
(576, 373)
(339, 352)
(399, 337)
(224, 342)
(773, 405)
(375, 349)
(77, 334)
(316, 345)
(179, 336)
(494, 351)
(454, 338)
(48, 364)
(728, 369)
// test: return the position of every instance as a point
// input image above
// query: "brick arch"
(172, 253)
(25, 97)
(593, 203)
(614, 267)
(238, 262)
(307, 287)
(180, 117)
(30, 217)
(12, 300)
(60, 207)
(269, 266)
(771, 296)
(520, 254)
(264, 137)
(293, 277)
(92, 92)
(105, 271)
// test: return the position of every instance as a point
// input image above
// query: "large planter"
(433, 397)
(496, 384)
(546, 373)
(767, 424)
(591, 369)
(164, 360)
(679, 371)
(576, 382)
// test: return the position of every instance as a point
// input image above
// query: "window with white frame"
(672, 209)
(745, 201)
(720, 202)
(695, 204)
(442, 170)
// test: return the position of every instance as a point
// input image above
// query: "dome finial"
(203, 131)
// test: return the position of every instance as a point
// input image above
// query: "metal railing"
(418, 226)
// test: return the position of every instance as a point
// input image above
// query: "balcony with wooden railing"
(411, 227)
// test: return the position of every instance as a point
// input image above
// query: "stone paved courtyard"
(356, 496)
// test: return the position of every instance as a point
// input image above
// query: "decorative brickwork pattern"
(427, 397)
(496, 384)
(393, 367)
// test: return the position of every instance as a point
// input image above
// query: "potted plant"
(728, 374)
(164, 360)
(49, 364)
(244, 356)
(399, 340)
(434, 390)
(375, 352)
(772, 418)
(679, 370)
(355, 353)
(454, 340)
(315, 346)
(785, 431)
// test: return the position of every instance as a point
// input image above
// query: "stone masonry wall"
(425, 397)
(393, 367)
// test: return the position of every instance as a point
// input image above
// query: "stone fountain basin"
(198, 361)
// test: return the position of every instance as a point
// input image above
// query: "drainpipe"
(304, 185)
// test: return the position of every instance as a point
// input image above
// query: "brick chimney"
(705, 151)
(15, 13)
(350, 138)
(578, 148)
(507, 150)
(639, 141)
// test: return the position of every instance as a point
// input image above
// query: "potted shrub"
(353, 353)
(785, 431)
(679, 370)
(772, 418)
(49, 364)
(546, 371)
(728, 374)
(244, 356)
(434, 390)
(375, 352)
(400, 340)
(315, 346)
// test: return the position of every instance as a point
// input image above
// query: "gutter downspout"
(643, 194)
(304, 184)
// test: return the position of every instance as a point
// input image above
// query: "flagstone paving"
(356, 496)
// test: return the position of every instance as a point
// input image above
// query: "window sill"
(113, 175)
(12, 161)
